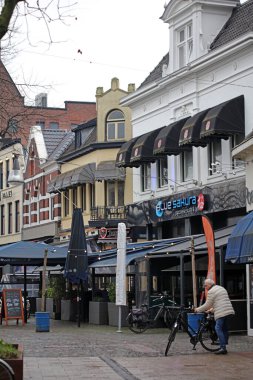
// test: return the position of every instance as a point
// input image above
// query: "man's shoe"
(222, 351)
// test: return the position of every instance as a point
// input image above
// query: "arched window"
(115, 125)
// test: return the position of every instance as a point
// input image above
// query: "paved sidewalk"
(72, 353)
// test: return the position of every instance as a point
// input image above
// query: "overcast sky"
(117, 38)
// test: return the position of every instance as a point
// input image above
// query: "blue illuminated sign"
(175, 204)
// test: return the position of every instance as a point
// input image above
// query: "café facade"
(187, 117)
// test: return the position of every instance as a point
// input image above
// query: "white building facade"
(195, 107)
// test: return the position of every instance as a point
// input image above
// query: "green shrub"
(7, 350)
(112, 292)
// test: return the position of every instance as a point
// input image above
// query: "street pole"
(43, 290)
(194, 283)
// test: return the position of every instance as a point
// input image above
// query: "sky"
(105, 39)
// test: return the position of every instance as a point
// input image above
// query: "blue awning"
(240, 243)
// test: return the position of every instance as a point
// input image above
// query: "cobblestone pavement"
(70, 352)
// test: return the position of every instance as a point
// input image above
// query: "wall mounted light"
(16, 175)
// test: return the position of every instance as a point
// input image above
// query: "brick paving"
(70, 352)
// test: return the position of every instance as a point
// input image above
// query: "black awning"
(142, 151)
(106, 171)
(190, 133)
(124, 154)
(167, 141)
(224, 120)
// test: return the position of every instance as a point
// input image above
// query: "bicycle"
(6, 372)
(205, 334)
(139, 320)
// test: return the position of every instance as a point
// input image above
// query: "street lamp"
(16, 175)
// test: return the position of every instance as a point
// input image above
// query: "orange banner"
(208, 230)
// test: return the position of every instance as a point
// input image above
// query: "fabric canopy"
(78, 176)
(106, 170)
(167, 141)
(240, 243)
(224, 120)
(31, 253)
(142, 151)
(124, 154)
(190, 133)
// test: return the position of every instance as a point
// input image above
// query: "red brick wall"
(12, 106)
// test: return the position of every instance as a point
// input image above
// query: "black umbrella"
(76, 265)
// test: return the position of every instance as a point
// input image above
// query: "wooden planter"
(17, 363)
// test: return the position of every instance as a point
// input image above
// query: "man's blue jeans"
(221, 328)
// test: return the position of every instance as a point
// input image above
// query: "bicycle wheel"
(171, 338)
(169, 319)
(137, 326)
(6, 372)
(208, 338)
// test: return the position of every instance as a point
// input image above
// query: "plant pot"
(65, 310)
(49, 305)
(17, 364)
(98, 312)
(113, 314)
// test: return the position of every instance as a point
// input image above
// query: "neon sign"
(180, 203)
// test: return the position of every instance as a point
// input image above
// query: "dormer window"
(115, 125)
(184, 45)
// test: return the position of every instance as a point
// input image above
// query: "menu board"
(13, 305)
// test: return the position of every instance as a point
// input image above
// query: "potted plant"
(56, 290)
(13, 355)
(98, 309)
(113, 309)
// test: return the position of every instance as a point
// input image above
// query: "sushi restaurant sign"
(181, 206)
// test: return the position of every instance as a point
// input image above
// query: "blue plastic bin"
(42, 321)
(194, 320)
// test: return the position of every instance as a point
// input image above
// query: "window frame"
(116, 123)
(145, 177)
(185, 45)
(161, 166)
(184, 168)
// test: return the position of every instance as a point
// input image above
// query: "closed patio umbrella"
(76, 265)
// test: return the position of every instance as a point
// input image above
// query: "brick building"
(16, 118)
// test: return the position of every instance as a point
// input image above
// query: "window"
(9, 218)
(74, 196)
(121, 191)
(83, 198)
(235, 140)
(115, 125)
(215, 157)
(7, 171)
(184, 45)
(66, 202)
(2, 220)
(145, 171)
(162, 172)
(186, 166)
(110, 193)
(53, 125)
(12, 126)
(92, 195)
(1, 176)
(17, 216)
(78, 139)
(52, 207)
(41, 124)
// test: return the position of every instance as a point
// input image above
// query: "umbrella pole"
(78, 305)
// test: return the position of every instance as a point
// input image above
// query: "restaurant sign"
(180, 205)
